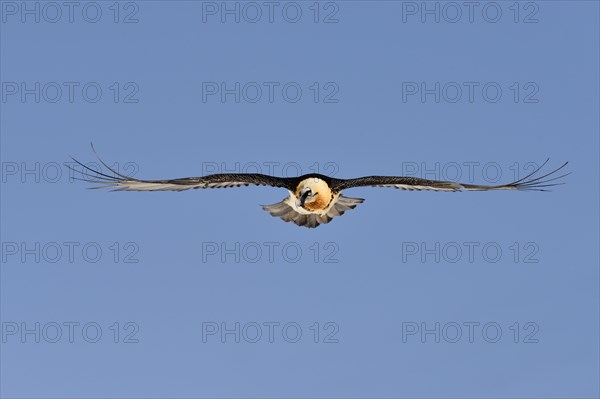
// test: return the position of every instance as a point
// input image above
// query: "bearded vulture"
(313, 199)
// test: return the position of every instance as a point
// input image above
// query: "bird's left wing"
(528, 183)
(120, 182)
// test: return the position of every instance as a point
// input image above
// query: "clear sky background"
(161, 121)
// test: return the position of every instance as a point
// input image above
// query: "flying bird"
(313, 199)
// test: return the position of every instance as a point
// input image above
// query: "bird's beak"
(303, 195)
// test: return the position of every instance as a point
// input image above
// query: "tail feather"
(287, 213)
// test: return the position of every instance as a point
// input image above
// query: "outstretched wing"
(120, 182)
(528, 183)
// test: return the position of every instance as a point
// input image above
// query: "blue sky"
(203, 294)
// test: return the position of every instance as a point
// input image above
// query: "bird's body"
(313, 202)
(313, 199)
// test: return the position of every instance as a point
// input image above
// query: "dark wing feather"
(120, 182)
(528, 183)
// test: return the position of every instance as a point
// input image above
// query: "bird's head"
(313, 194)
